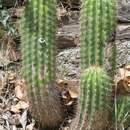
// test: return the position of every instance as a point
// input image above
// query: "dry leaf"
(73, 92)
(69, 86)
(18, 106)
(11, 76)
(123, 80)
(3, 80)
(19, 90)
(30, 126)
(61, 11)
(69, 103)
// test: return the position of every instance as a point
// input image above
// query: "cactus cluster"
(38, 26)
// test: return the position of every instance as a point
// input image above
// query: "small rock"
(68, 36)
(123, 32)
(123, 52)
(66, 65)
(123, 11)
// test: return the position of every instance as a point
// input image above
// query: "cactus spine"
(96, 22)
(38, 27)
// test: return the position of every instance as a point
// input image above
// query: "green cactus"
(97, 21)
(112, 60)
(33, 27)
(38, 41)
(94, 92)
(38, 27)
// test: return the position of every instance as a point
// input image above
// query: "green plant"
(97, 22)
(0, 3)
(122, 111)
(38, 27)
(94, 92)
(6, 24)
(38, 41)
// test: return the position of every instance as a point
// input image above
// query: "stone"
(123, 32)
(68, 63)
(68, 36)
(123, 11)
(123, 53)
(2, 128)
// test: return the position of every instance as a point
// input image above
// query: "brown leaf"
(11, 49)
(20, 90)
(3, 80)
(123, 80)
(61, 11)
(30, 126)
(73, 92)
(11, 76)
(18, 106)
(69, 86)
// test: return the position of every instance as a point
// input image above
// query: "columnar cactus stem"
(96, 22)
(38, 27)
(94, 92)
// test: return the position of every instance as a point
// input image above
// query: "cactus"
(38, 41)
(38, 27)
(112, 61)
(94, 92)
(97, 21)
